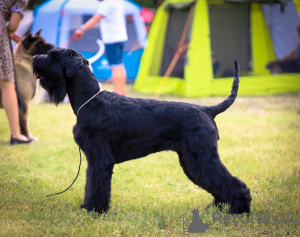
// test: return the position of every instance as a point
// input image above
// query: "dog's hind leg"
(24, 122)
(98, 180)
(211, 175)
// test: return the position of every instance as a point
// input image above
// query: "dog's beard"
(39, 65)
(56, 89)
(51, 78)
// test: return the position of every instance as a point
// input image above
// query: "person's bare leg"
(10, 105)
(119, 79)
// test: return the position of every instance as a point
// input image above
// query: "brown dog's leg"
(24, 123)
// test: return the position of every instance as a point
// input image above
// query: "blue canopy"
(58, 20)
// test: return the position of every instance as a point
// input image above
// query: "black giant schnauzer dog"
(111, 129)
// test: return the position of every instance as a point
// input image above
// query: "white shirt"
(112, 25)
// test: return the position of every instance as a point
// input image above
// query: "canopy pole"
(181, 48)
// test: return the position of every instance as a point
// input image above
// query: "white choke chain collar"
(88, 101)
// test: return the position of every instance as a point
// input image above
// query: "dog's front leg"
(98, 181)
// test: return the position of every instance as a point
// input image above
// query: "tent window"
(230, 37)
(88, 44)
(176, 23)
(282, 27)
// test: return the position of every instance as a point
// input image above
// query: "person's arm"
(14, 22)
(87, 26)
(292, 54)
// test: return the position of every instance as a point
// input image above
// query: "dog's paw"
(216, 204)
(93, 209)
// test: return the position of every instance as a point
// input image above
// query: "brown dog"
(31, 45)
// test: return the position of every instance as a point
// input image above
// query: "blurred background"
(261, 34)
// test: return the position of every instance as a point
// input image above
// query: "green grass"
(260, 138)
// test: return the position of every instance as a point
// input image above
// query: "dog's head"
(35, 44)
(55, 69)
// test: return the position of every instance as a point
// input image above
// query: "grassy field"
(260, 140)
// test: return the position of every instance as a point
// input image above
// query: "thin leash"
(73, 181)
(79, 150)
(19, 50)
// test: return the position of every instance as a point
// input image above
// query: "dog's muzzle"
(38, 65)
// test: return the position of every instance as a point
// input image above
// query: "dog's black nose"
(34, 57)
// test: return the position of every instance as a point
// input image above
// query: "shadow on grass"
(5, 143)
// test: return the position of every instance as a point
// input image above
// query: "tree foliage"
(33, 3)
(146, 3)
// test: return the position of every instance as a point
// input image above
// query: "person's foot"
(20, 139)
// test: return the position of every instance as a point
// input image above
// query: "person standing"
(289, 63)
(111, 17)
(11, 11)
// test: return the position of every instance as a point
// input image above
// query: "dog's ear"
(28, 36)
(75, 62)
(27, 41)
(38, 33)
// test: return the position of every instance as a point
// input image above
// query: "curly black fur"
(111, 129)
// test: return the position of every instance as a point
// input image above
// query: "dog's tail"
(219, 108)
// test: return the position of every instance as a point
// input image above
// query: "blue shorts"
(114, 53)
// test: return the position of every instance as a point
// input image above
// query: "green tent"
(245, 31)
